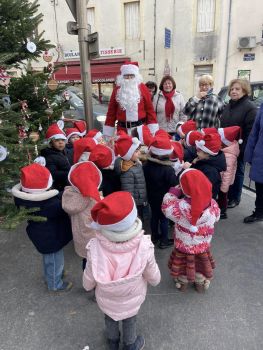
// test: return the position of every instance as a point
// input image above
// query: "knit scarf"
(169, 105)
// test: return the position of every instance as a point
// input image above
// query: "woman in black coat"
(240, 111)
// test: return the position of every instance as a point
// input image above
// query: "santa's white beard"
(128, 95)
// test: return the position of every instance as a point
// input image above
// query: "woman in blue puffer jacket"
(254, 156)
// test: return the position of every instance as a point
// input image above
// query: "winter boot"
(201, 283)
(137, 345)
(181, 284)
(199, 287)
(253, 218)
(223, 214)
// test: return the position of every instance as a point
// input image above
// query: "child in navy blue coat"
(210, 160)
(159, 176)
(50, 236)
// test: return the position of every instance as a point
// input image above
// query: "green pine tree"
(19, 21)
(27, 106)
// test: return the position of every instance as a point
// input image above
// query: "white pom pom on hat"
(230, 134)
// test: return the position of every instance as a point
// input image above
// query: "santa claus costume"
(194, 212)
(130, 104)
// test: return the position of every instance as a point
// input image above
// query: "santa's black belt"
(129, 125)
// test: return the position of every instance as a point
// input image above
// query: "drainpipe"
(173, 39)
(154, 39)
(228, 37)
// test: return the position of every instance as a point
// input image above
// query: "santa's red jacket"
(116, 113)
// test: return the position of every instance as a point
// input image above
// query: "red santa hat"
(205, 131)
(193, 136)
(163, 133)
(161, 146)
(144, 135)
(72, 131)
(114, 216)
(178, 151)
(35, 178)
(210, 143)
(86, 178)
(184, 128)
(130, 68)
(125, 146)
(230, 134)
(54, 132)
(196, 185)
(87, 144)
(81, 126)
(103, 156)
(95, 134)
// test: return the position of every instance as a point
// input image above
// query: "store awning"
(102, 70)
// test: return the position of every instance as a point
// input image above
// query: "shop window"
(205, 16)
(132, 20)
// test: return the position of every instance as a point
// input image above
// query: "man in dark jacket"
(239, 112)
(56, 157)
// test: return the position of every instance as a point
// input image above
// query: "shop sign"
(103, 80)
(112, 51)
(69, 55)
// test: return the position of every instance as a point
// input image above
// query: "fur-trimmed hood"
(34, 197)
(159, 161)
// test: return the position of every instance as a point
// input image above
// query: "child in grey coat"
(130, 170)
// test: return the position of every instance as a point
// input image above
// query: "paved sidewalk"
(228, 317)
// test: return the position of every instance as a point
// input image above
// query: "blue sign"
(167, 38)
(249, 57)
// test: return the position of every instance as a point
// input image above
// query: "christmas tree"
(28, 104)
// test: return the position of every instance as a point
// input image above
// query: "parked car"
(73, 96)
(102, 99)
(256, 95)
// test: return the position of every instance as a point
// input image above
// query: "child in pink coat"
(230, 148)
(194, 212)
(120, 262)
(78, 200)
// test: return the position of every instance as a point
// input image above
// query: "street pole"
(81, 6)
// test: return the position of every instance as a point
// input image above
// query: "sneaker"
(232, 204)
(166, 244)
(253, 218)
(66, 286)
(137, 345)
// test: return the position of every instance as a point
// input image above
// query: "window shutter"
(132, 20)
(205, 16)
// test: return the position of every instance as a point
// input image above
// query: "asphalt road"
(229, 316)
